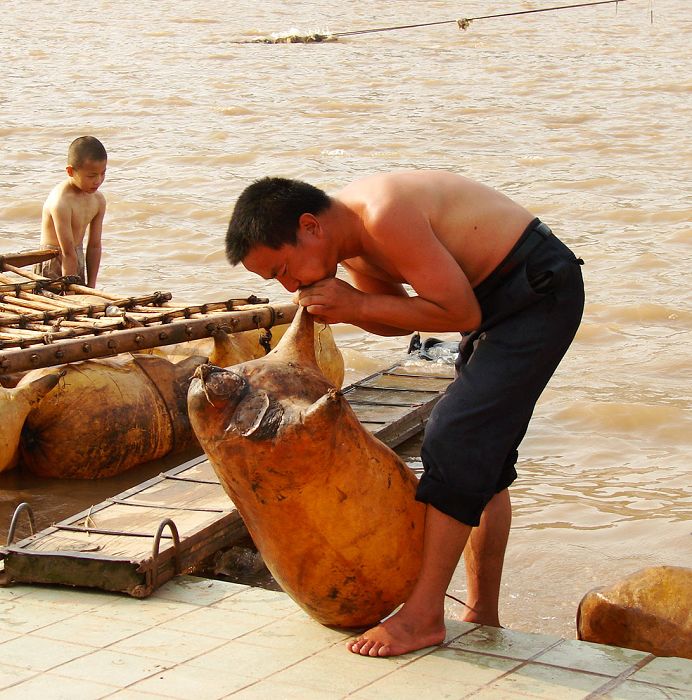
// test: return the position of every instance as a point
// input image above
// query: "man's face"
(295, 266)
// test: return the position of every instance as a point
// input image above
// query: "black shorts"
(532, 305)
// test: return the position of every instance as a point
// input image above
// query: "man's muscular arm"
(443, 299)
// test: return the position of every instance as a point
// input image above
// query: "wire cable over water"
(463, 23)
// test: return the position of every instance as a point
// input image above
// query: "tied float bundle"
(98, 418)
(331, 509)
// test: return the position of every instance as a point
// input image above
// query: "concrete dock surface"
(204, 639)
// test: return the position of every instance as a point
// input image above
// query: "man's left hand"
(330, 300)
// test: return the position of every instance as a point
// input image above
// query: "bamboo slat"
(76, 288)
(42, 324)
(71, 309)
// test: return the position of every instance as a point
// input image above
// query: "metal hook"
(13, 525)
(166, 522)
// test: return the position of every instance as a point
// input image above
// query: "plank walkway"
(135, 541)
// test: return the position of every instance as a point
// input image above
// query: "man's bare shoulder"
(409, 217)
(398, 179)
(376, 196)
(421, 189)
(377, 186)
(393, 199)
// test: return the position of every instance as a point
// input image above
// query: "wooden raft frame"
(140, 538)
(40, 326)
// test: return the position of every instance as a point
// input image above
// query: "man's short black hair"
(267, 213)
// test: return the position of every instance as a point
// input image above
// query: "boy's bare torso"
(476, 224)
(81, 208)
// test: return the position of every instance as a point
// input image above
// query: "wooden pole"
(77, 288)
(136, 339)
(46, 300)
(23, 338)
(30, 301)
(29, 257)
(15, 287)
(132, 305)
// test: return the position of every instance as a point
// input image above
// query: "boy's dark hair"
(83, 149)
(267, 213)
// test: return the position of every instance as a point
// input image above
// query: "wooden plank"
(27, 257)
(383, 397)
(127, 542)
(380, 415)
(403, 382)
(433, 370)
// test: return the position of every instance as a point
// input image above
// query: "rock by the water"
(650, 610)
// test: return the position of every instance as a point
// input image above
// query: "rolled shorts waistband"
(534, 234)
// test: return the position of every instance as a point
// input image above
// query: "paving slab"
(212, 640)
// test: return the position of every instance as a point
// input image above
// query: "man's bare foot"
(395, 636)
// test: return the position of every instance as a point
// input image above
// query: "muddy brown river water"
(580, 115)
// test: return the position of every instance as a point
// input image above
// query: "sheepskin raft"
(330, 508)
(15, 405)
(108, 415)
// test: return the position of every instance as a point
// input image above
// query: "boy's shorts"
(52, 269)
(532, 305)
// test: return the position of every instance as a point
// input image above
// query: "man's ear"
(308, 223)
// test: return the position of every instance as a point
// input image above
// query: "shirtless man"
(475, 262)
(70, 208)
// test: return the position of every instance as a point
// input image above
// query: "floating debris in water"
(314, 38)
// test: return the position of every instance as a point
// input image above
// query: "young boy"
(70, 208)
(476, 262)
